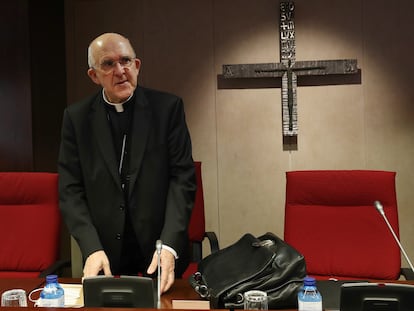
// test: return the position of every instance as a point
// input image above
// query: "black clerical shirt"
(132, 261)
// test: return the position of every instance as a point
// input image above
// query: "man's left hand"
(167, 269)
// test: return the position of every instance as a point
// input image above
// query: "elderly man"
(126, 173)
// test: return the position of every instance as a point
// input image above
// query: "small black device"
(119, 292)
(377, 297)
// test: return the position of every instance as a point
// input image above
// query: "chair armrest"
(407, 273)
(55, 267)
(212, 238)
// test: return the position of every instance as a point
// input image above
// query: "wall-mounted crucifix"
(288, 70)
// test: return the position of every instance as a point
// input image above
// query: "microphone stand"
(380, 209)
(158, 247)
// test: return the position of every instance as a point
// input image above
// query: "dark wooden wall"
(48, 73)
(15, 89)
(32, 83)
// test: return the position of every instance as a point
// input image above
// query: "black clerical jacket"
(160, 174)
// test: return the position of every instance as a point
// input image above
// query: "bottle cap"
(51, 278)
(309, 281)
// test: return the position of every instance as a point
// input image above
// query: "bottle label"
(309, 305)
(51, 302)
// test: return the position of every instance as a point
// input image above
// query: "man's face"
(116, 68)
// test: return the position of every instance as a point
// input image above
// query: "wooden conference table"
(181, 290)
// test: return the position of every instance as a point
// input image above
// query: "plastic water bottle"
(309, 298)
(52, 294)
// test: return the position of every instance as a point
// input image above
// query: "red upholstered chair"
(197, 228)
(29, 224)
(330, 218)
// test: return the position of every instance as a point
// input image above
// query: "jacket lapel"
(142, 119)
(103, 135)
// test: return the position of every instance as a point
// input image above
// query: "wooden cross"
(288, 69)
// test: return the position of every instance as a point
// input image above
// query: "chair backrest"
(330, 218)
(197, 226)
(29, 223)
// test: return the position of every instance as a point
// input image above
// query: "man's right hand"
(96, 262)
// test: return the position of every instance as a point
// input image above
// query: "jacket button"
(122, 207)
(118, 236)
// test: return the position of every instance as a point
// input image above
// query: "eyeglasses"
(109, 65)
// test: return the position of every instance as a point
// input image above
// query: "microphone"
(380, 209)
(158, 247)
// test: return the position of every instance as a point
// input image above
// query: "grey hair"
(91, 58)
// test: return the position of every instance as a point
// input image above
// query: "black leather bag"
(265, 263)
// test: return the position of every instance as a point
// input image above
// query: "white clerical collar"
(119, 107)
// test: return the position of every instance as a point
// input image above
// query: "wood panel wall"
(15, 89)
(32, 83)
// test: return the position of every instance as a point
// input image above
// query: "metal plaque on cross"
(288, 69)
